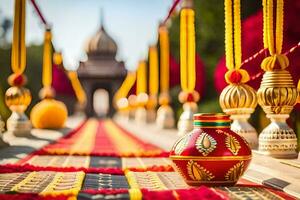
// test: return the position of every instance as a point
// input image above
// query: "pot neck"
(211, 121)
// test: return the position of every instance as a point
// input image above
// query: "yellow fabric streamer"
(141, 78)
(126, 86)
(233, 46)
(271, 41)
(79, 91)
(153, 71)
(18, 55)
(187, 50)
(47, 60)
(164, 58)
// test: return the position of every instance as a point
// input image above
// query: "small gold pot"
(18, 99)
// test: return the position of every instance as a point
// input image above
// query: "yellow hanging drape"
(18, 55)
(141, 78)
(47, 60)
(273, 41)
(233, 46)
(187, 50)
(153, 71)
(79, 91)
(126, 86)
(233, 34)
(164, 58)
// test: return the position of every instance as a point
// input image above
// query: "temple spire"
(101, 18)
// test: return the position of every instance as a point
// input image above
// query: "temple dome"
(101, 43)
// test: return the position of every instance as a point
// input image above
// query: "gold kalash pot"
(277, 96)
(18, 98)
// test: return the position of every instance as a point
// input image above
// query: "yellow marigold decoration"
(187, 50)
(49, 114)
(273, 41)
(233, 48)
(123, 91)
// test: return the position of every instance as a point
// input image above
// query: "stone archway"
(101, 70)
(101, 103)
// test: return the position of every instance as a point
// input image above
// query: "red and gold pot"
(211, 154)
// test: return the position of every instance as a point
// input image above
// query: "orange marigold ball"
(49, 114)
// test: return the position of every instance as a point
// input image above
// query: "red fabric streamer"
(60, 81)
(202, 192)
(11, 168)
(171, 10)
(29, 196)
(106, 191)
(37, 9)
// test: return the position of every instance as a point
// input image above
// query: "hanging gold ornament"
(277, 94)
(48, 113)
(188, 96)
(238, 99)
(17, 98)
(165, 113)
(142, 96)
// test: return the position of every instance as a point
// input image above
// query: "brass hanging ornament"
(17, 97)
(238, 99)
(188, 96)
(165, 114)
(277, 94)
(142, 96)
(48, 113)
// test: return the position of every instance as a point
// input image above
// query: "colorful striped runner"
(102, 138)
(101, 160)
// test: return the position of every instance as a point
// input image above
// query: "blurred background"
(133, 25)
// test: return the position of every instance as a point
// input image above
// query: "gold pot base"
(18, 124)
(186, 121)
(141, 115)
(165, 117)
(278, 140)
(151, 115)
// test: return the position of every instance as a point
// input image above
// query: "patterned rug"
(100, 160)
